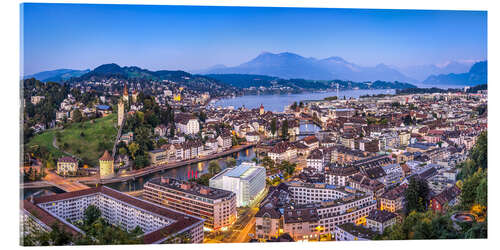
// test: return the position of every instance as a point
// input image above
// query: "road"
(152, 169)
(63, 183)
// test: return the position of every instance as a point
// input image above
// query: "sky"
(191, 38)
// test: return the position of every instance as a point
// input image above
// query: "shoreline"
(132, 175)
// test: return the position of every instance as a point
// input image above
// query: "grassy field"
(44, 140)
(86, 140)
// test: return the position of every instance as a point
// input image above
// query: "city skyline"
(141, 35)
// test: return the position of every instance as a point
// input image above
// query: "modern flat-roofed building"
(246, 180)
(351, 231)
(158, 223)
(216, 206)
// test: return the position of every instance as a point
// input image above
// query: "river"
(182, 172)
(277, 103)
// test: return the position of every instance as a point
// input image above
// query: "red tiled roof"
(67, 159)
(106, 156)
(46, 217)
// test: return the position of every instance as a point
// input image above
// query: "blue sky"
(190, 38)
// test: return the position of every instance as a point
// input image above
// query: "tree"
(133, 148)
(77, 115)
(141, 160)
(273, 126)
(470, 188)
(417, 195)
(284, 129)
(122, 151)
(230, 162)
(56, 237)
(91, 214)
(213, 167)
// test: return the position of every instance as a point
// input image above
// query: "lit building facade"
(246, 180)
(216, 206)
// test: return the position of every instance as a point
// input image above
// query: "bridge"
(54, 180)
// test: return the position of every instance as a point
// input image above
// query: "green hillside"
(86, 140)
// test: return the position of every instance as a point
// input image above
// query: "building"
(216, 206)
(339, 175)
(157, 222)
(283, 151)
(379, 220)
(301, 223)
(267, 222)
(246, 180)
(315, 160)
(187, 124)
(307, 193)
(393, 200)
(36, 99)
(351, 232)
(158, 156)
(448, 197)
(67, 166)
(106, 168)
(311, 141)
(121, 112)
(161, 130)
(224, 141)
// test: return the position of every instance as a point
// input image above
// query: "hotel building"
(216, 206)
(158, 223)
(247, 181)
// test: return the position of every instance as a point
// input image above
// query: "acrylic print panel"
(184, 124)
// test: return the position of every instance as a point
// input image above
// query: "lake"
(277, 103)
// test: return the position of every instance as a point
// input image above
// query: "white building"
(188, 125)
(118, 209)
(247, 180)
(316, 160)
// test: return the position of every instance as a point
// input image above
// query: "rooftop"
(181, 221)
(191, 188)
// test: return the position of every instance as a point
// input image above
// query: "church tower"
(121, 112)
(106, 168)
(261, 111)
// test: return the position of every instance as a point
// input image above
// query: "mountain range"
(478, 74)
(289, 65)
(58, 75)
(268, 67)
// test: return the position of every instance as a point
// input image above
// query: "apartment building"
(379, 220)
(157, 222)
(315, 160)
(306, 193)
(216, 206)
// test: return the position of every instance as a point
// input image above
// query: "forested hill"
(257, 81)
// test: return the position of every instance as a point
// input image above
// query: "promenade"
(69, 184)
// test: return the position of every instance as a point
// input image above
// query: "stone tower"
(121, 112)
(106, 168)
(125, 93)
(261, 111)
